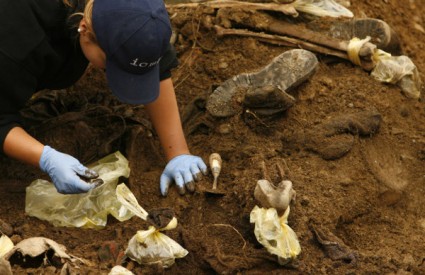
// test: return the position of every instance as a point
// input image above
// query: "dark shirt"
(39, 50)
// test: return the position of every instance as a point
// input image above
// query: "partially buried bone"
(272, 196)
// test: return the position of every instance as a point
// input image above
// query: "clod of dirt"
(5, 268)
(390, 197)
(286, 71)
(363, 123)
(334, 138)
(6, 228)
(160, 217)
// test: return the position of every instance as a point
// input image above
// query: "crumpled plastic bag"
(322, 8)
(88, 210)
(129, 201)
(274, 233)
(6, 245)
(150, 246)
(120, 270)
(153, 247)
(399, 70)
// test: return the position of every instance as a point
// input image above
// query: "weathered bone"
(281, 40)
(287, 9)
(299, 36)
(287, 34)
(284, 28)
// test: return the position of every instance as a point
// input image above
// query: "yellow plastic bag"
(401, 71)
(88, 210)
(149, 246)
(274, 233)
(120, 270)
(153, 247)
(6, 245)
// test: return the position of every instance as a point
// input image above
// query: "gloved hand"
(65, 172)
(183, 170)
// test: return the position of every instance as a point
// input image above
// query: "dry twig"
(228, 225)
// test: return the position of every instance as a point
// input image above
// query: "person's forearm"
(165, 117)
(23, 147)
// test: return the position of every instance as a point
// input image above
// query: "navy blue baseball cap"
(134, 34)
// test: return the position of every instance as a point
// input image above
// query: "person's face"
(91, 49)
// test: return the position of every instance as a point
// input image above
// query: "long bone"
(287, 9)
(294, 34)
(281, 40)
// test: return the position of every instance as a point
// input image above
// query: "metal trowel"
(215, 166)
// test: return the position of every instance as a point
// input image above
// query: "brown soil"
(362, 191)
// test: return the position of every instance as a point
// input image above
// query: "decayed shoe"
(286, 71)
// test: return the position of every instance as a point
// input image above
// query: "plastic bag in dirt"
(399, 70)
(88, 210)
(149, 246)
(120, 270)
(274, 233)
(6, 245)
(322, 8)
(153, 247)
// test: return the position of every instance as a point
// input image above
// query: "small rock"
(5, 267)
(390, 197)
(224, 129)
(6, 228)
(16, 238)
(223, 65)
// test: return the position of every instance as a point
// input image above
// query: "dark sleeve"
(168, 62)
(16, 86)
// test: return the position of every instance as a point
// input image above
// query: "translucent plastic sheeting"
(120, 270)
(150, 246)
(6, 245)
(88, 210)
(401, 71)
(322, 8)
(274, 233)
(153, 247)
(398, 70)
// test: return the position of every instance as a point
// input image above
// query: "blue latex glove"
(65, 172)
(183, 170)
